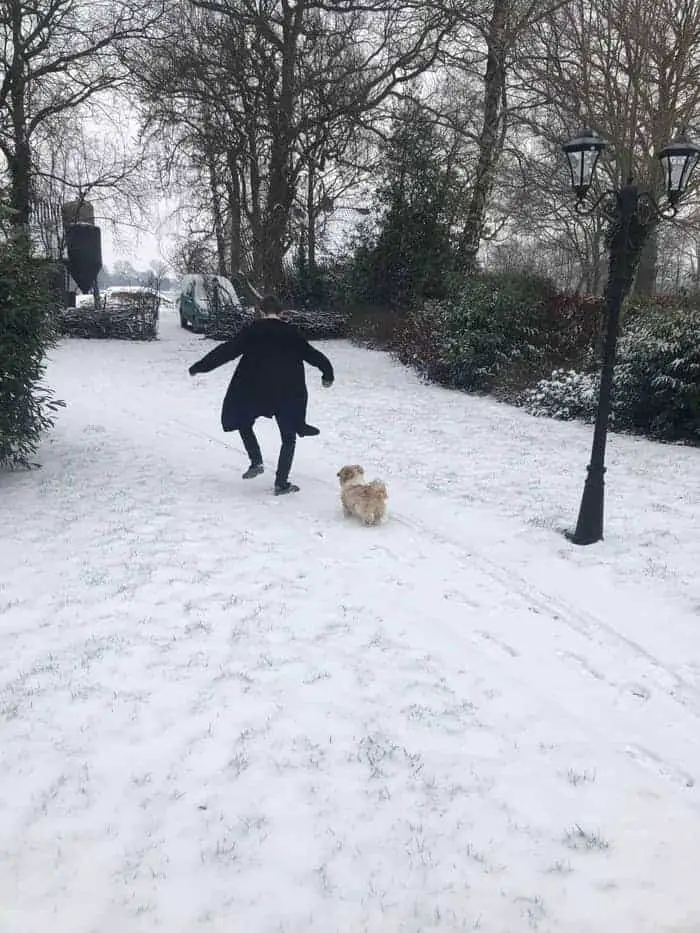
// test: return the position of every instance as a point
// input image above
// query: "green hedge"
(516, 337)
(657, 376)
(499, 334)
(27, 407)
(657, 379)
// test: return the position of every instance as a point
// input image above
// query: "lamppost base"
(589, 527)
(582, 540)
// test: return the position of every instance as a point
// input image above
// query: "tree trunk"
(235, 208)
(20, 159)
(219, 231)
(311, 222)
(491, 138)
(279, 202)
(645, 283)
(281, 186)
(20, 182)
(254, 209)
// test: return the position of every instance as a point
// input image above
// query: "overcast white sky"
(139, 247)
(150, 238)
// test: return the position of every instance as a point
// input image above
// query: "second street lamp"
(631, 213)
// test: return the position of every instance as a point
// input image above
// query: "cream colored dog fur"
(366, 501)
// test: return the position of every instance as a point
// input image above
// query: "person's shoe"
(285, 489)
(308, 430)
(255, 469)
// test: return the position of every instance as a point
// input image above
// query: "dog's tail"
(379, 488)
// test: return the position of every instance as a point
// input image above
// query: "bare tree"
(630, 69)
(55, 56)
(493, 37)
(290, 85)
(76, 164)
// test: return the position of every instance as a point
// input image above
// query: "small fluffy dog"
(367, 501)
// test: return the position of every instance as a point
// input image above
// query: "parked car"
(204, 297)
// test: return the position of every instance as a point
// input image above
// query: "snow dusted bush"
(502, 334)
(315, 324)
(319, 323)
(126, 319)
(27, 407)
(374, 327)
(566, 395)
(419, 341)
(657, 380)
(493, 325)
(657, 377)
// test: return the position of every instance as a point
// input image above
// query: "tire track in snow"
(591, 627)
(595, 632)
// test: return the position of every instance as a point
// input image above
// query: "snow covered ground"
(223, 711)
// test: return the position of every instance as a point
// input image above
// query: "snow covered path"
(222, 711)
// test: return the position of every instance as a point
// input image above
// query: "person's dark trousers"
(286, 457)
(252, 448)
(284, 463)
(287, 418)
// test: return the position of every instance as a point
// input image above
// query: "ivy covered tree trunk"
(281, 183)
(18, 153)
(645, 283)
(491, 139)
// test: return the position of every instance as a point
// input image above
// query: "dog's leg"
(346, 511)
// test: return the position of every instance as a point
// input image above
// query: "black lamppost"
(631, 213)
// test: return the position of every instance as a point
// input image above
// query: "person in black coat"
(268, 382)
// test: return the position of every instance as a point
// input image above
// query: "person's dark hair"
(270, 304)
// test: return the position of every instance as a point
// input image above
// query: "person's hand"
(326, 383)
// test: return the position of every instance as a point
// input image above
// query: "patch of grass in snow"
(91, 576)
(239, 759)
(580, 777)
(548, 523)
(9, 711)
(326, 884)
(433, 715)
(196, 628)
(474, 854)
(417, 847)
(225, 849)
(381, 641)
(532, 909)
(315, 676)
(375, 750)
(95, 647)
(580, 839)
(141, 780)
(560, 867)
(10, 604)
(238, 763)
(250, 823)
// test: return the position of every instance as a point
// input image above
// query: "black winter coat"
(270, 379)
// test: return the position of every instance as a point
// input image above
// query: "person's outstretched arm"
(224, 353)
(314, 357)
